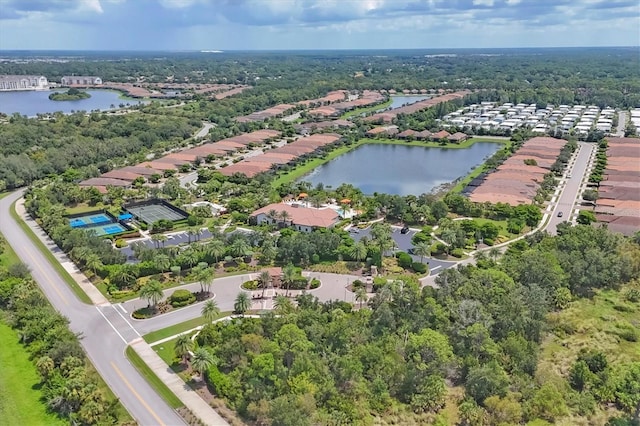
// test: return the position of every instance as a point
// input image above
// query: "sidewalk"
(188, 396)
(94, 294)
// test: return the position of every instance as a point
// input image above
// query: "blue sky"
(315, 24)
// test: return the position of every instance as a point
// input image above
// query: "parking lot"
(403, 243)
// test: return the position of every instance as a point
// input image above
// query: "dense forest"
(470, 346)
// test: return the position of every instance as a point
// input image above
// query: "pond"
(398, 101)
(31, 103)
(401, 169)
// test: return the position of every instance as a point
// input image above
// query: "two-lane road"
(570, 192)
(103, 344)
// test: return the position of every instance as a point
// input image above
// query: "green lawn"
(50, 257)
(306, 168)
(82, 208)
(8, 256)
(20, 395)
(153, 380)
(364, 110)
(154, 336)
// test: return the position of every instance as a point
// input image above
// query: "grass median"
(154, 336)
(50, 257)
(155, 382)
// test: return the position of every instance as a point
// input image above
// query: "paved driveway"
(403, 242)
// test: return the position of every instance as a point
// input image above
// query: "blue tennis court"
(93, 219)
(108, 229)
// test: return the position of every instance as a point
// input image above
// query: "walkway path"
(185, 393)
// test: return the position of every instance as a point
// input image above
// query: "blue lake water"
(400, 169)
(398, 101)
(31, 103)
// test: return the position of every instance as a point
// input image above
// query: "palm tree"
(190, 233)
(361, 295)
(422, 249)
(124, 276)
(156, 240)
(283, 305)
(242, 303)
(494, 253)
(288, 276)
(205, 276)
(162, 262)
(381, 234)
(161, 238)
(358, 252)
(202, 361)
(182, 347)
(272, 215)
(265, 280)
(215, 248)
(80, 253)
(239, 248)
(210, 311)
(190, 257)
(152, 292)
(93, 262)
(284, 216)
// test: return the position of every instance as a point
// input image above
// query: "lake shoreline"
(305, 169)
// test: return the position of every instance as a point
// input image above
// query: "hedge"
(181, 298)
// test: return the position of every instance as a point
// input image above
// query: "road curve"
(103, 342)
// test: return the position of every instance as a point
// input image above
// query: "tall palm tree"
(202, 361)
(381, 235)
(361, 295)
(156, 240)
(93, 262)
(80, 253)
(182, 347)
(284, 216)
(124, 276)
(288, 277)
(205, 277)
(190, 257)
(215, 248)
(494, 253)
(272, 215)
(152, 292)
(242, 303)
(265, 281)
(239, 248)
(358, 252)
(283, 305)
(162, 262)
(422, 249)
(210, 311)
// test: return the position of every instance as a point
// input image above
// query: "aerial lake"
(398, 101)
(401, 169)
(31, 103)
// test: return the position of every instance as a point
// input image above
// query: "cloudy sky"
(315, 24)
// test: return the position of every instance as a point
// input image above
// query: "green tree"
(487, 380)
(242, 303)
(210, 311)
(162, 262)
(202, 360)
(265, 281)
(358, 252)
(152, 292)
(361, 296)
(182, 347)
(422, 249)
(205, 277)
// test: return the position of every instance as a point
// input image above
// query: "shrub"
(315, 283)
(175, 270)
(142, 313)
(181, 298)
(120, 243)
(418, 267)
(489, 241)
(143, 226)
(299, 283)
(250, 285)
(457, 253)
(404, 260)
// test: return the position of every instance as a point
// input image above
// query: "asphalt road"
(569, 194)
(103, 344)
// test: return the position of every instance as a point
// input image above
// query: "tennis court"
(108, 229)
(151, 213)
(94, 219)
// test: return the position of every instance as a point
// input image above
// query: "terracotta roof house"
(300, 218)
(457, 137)
(407, 134)
(442, 134)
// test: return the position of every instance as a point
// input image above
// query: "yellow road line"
(136, 394)
(55, 287)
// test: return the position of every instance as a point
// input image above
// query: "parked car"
(559, 214)
(404, 230)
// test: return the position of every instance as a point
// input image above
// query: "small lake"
(400, 169)
(31, 103)
(398, 101)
